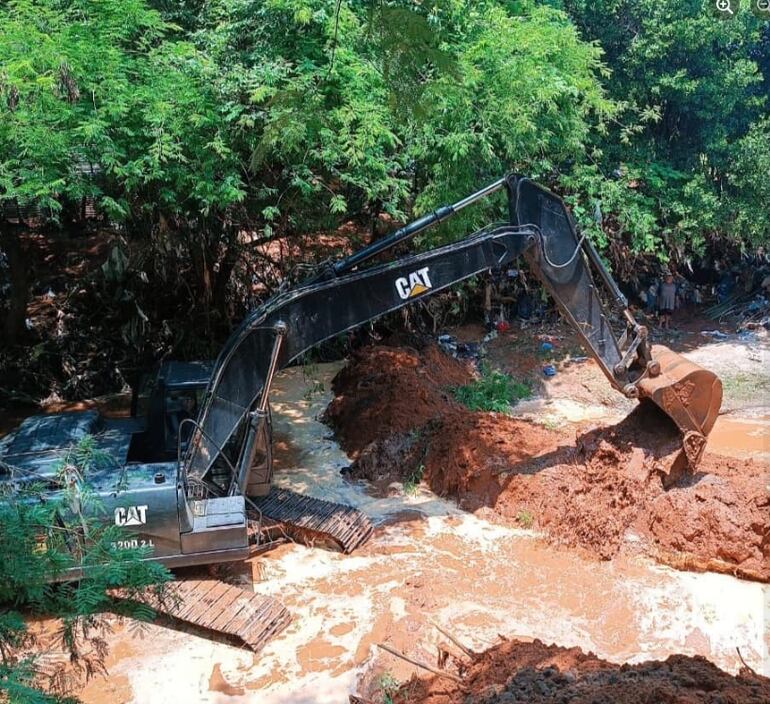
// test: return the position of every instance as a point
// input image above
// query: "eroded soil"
(535, 673)
(599, 489)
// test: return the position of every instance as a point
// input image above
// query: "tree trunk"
(226, 266)
(14, 325)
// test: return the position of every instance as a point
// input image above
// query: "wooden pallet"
(306, 518)
(223, 608)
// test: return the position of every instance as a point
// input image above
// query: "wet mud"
(603, 490)
(535, 673)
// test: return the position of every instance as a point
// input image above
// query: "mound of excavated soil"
(535, 673)
(394, 414)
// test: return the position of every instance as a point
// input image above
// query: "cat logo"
(130, 516)
(418, 282)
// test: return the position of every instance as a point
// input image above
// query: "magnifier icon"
(725, 6)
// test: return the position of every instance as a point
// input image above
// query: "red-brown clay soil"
(535, 673)
(600, 490)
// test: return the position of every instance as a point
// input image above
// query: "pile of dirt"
(384, 390)
(601, 490)
(535, 673)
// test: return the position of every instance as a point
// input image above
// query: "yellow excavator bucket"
(690, 395)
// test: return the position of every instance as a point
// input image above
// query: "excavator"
(190, 475)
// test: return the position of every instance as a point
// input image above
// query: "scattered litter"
(546, 347)
(460, 350)
(549, 370)
(577, 360)
(502, 326)
(714, 334)
(468, 350)
(448, 344)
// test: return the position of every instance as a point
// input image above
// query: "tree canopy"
(204, 130)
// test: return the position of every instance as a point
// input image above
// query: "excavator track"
(222, 608)
(308, 520)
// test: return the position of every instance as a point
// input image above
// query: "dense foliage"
(222, 138)
(685, 158)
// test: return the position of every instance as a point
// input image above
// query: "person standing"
(667, 300)
(652, 296)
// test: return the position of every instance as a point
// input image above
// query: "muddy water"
(430, 561)
(741, 437)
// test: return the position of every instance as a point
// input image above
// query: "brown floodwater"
(740, 437)
(429, 561)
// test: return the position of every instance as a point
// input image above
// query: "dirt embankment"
(601, 490)
(535, 673)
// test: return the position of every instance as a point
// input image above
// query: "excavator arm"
(233, 424)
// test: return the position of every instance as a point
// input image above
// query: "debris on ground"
(472, 351)
(750, 309)
(536, 673)
(715, 334)
(603, 490)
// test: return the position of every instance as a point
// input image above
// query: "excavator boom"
(344, 295)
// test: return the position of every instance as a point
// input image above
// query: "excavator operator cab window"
(180, 405)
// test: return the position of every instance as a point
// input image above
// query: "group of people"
(666, 294)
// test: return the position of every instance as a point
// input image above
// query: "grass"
(413, 480)
(525, 519)
(549, 423)
(742, 385)
(313, 385)
(388, 686)
(493, 391)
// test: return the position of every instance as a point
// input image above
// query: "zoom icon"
(726, 9)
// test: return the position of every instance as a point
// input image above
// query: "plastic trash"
(468, 350)
(714, 334)
(448, 344)
(502, 326)
(549, 370)
(546, 347)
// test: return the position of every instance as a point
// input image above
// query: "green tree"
(102, 87)
(689, 91)
(40, 542)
